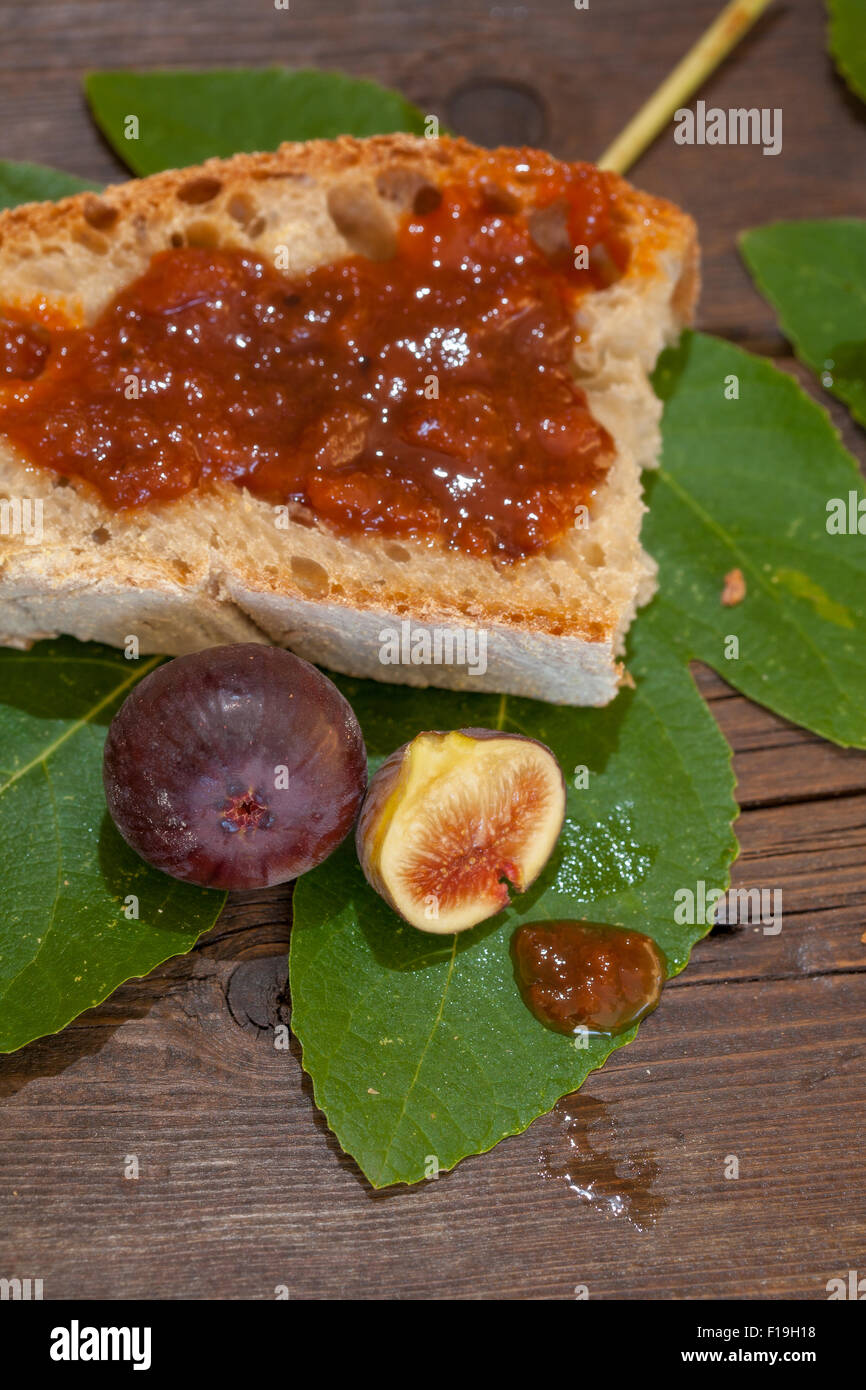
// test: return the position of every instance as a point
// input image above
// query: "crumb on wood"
(735, 588)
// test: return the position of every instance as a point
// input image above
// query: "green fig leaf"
(80, 912)
(814, 275)
(848, 42)
(36, 183)
(420, 1048)
(165, 120)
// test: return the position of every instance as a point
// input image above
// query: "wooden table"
(759, 1049)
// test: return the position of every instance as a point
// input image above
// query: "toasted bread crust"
(212, 566)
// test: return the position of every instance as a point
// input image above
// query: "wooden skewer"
(723, 34)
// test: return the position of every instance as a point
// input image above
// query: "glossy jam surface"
(427, 395)
(24, 347)
(587, 975)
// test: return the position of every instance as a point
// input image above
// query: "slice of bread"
(214, 567)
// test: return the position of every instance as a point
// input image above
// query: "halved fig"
(450, 816)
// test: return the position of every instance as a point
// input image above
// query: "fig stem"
(678, 87)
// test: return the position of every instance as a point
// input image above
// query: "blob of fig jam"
(236, 767)
(587, 974)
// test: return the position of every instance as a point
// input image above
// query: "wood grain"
(758, 1049)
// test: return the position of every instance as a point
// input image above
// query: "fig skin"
(379, 792)
(193, 759)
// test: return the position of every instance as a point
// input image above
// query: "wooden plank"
(489, 72)
(756, 1051)
(241, 1188)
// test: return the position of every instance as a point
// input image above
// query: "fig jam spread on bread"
(430, 394)
(299, 397)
